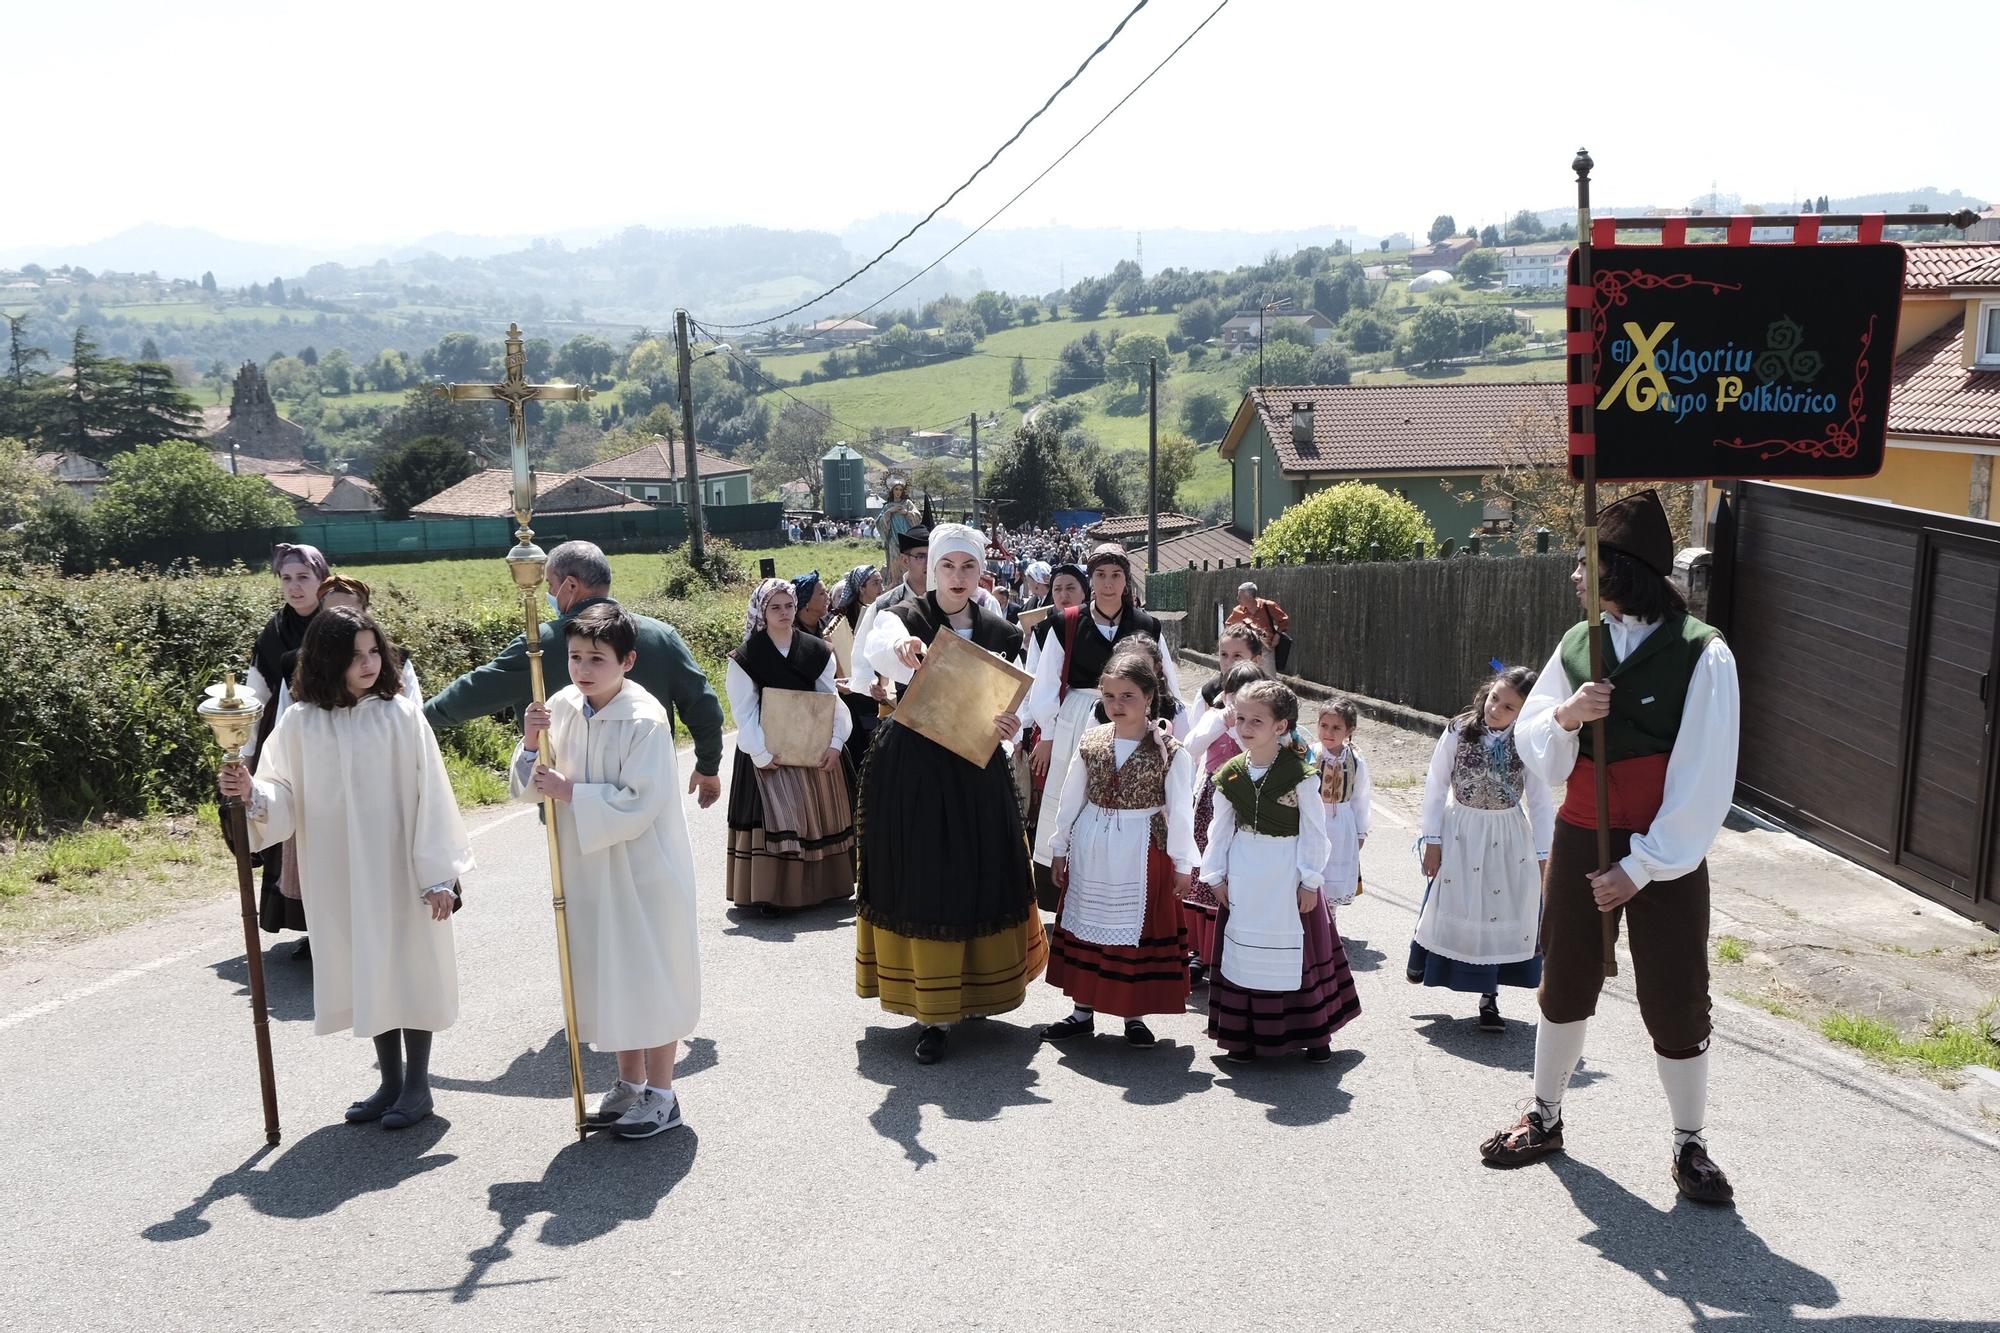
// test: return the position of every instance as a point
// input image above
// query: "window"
(652, 492)
(1986, 335)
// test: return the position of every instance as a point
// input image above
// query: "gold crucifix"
(525, 563)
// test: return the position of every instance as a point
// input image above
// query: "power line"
(1099, 50)
(1038, 178)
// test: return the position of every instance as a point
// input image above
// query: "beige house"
(489, 494)
(657, 474)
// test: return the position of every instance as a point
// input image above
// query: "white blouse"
(1536, 795)
(746, 703)
(1701, 770)
(1179, 809)
(1313, 844)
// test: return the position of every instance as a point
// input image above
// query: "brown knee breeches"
(1667, 931)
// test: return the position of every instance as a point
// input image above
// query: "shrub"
(722, 567)
(1347, 520)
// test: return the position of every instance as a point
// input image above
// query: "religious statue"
(898, 516)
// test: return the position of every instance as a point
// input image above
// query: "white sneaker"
(651, 1114)
(622, 1098)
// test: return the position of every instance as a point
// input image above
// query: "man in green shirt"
(580, 576)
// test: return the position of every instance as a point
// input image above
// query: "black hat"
(1637, 526)
(916, 539)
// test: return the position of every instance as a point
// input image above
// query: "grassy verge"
(101, 877)
(1944, 1046)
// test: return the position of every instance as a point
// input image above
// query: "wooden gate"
(1866, 635)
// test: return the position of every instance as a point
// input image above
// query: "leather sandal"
(1699, 1179)
(1526, 1141)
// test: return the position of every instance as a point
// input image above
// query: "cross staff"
(525, 564)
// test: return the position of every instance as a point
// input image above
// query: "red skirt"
(1130, 980)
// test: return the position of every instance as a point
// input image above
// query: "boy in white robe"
(628, 866)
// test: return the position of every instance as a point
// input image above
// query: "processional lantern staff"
(232, 716)
(526, 563)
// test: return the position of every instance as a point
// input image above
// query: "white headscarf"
(950, 538)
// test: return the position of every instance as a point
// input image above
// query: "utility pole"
(974, 418)
(697, 547)
(1153, 465)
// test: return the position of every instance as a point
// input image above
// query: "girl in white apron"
(1281, 980)
(1345, 789)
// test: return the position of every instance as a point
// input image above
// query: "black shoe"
(930, 1046)
(1073, 1026)
(1319, 1055)
(373, 1107)
(1700, 1179)
(406, 1112)
(1240, 1057)
(302, 952)
(1138, 1034)
(1489, 1015)
(1414, 975)
(766, 910)
(1197, 973)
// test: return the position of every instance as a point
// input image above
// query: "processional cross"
(525, 564)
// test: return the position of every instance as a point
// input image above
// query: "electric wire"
(1099, 50)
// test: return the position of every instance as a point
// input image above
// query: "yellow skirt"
(942, 981)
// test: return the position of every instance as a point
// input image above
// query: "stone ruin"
(255, 430)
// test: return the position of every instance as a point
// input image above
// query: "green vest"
(1652, 685)
(1269, 814)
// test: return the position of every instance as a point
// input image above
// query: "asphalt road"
(826, 1181)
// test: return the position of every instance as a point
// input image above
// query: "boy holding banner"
(1670, 703)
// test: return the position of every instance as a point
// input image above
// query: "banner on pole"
(1737, 361)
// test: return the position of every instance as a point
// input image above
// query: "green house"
(1430, 443)
(657, 474)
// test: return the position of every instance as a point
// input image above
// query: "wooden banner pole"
(1593, 610)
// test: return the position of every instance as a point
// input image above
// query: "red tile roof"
(488, 494)
(1934, 393)
(1399, 428)
(660, 461)
(1937, 266)
(1137, 525)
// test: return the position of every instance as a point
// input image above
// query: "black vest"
(1091, 652)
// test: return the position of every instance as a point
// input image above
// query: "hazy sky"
(368, 122)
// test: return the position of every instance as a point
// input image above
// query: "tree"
(1088, 298)
(147, 406)
(25, 402)
(1177, 459)
(1368, 330)
(1349, 520)
(1032, 476)
(797, 442)
(287, 377)
(23, 486)
(88, 413)
(276, 291)
(1434, 335)
(1442, 227)
(1489, 235)
(336, 372)
(420, 469)
(148, 350)
(390, 370)
(1328, 365)
(423, 413)
(1080, 365)
(1524, 224)
(1199, 320)
(586, 357)
(208, 283)
(1284, 363)
(1126, 363)
(218, 376)
(1017, 378)
(655, 364)
(1205, 415)
(541, 357)
(309, 355)
(459, 357)
(176, 490)
(1478, 266)
(995, 310)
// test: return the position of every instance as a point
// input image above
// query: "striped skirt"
(791, 836)
(1272, 1023)
(1130, 981)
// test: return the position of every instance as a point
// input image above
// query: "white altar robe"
(364, 792)
(628, 869)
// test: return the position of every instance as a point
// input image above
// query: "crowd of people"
(1173, 841)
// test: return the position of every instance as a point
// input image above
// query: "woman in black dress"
(299, 570)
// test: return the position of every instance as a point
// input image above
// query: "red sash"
(1637, 787)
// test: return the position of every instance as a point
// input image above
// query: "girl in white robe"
(628, 866)
(352, 773)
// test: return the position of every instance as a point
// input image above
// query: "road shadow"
(788, 926)
(331, 1166)
(589, 1190)
(1362, 958)
(986, 1069)
(288, 982)
(1297, 1093)
(1150, 1076)
(1512, 1050)
(544, 1071)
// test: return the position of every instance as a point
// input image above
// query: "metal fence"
(1422, 633)
(379, 540)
